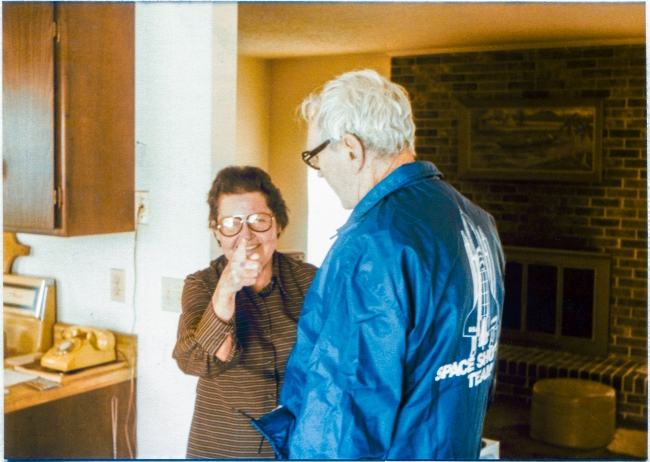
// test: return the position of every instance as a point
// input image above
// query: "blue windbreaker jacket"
(397, 341)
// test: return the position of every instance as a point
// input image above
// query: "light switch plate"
(172, 290)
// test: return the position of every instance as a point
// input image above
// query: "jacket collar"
(397, 179)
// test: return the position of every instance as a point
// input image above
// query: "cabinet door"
(96, 103)
(83, 426)
(28, 115)
(68, 111)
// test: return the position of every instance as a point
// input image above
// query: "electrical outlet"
(172, 290)
(118, 284)
(142, 207)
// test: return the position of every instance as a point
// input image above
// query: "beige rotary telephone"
(79, 347)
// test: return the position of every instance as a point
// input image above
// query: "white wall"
(174, 122)
(182, 51)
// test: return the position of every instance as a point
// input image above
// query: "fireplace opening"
(557, 299)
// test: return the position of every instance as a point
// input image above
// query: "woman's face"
(260, 243)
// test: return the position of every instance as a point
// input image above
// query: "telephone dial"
(80, 347)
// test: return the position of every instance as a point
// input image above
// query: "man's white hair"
(367, 105)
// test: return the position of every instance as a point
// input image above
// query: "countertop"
(21, 395)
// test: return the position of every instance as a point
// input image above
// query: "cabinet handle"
(55, 31)
(56, 196)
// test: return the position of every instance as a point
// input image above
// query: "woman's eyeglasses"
(310, 156)
(258, 222)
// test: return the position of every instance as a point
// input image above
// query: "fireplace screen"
(557, 299)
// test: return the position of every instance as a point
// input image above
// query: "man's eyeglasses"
(258, 222)
(309, 156)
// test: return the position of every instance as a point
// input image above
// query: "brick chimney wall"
(609, 216)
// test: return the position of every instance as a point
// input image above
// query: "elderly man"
(397, 340)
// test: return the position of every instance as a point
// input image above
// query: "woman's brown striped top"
(249, 381)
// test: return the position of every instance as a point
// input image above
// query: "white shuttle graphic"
(482, 324)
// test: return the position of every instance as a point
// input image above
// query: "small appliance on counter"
(79, 352)
(29, 314)
(80, 347)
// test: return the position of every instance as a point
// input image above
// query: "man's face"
(335, 167)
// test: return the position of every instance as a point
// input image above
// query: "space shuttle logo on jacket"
(481, 326)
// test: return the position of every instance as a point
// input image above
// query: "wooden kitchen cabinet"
(97, 424)
(68, 117)
(91, 415)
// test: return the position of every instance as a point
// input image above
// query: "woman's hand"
(239, 272)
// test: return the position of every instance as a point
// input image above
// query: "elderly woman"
(239, 317)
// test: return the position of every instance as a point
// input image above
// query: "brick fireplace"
(607, 217)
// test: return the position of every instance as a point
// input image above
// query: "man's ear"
(355, 151)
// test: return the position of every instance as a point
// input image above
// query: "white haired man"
(396, 344)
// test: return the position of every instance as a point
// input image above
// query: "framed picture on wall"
(531, 140)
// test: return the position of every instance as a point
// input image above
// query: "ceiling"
(293, 29)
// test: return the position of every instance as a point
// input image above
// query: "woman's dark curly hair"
(240, 180)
